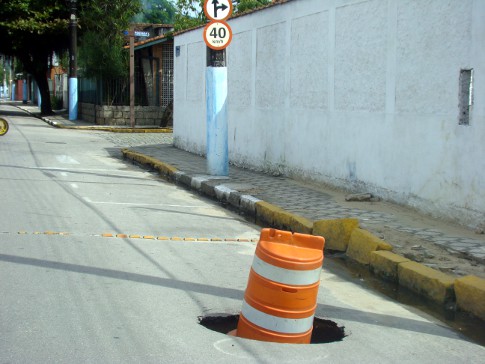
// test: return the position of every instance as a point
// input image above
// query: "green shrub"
(56, 103)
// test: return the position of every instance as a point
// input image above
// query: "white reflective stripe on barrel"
(274, 323)
(286, 276)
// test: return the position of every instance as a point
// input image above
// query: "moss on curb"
(385, 264)
(280, 218)
(431, 283)
(166, 170)
(362, 243)
(470, 295)
(336, 232)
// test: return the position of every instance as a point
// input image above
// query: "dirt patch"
(430, 254)
(419, 248)
(409, 244)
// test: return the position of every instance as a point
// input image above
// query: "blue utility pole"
(217, 36)
(73, 92)
(39, 98)
(216, 93)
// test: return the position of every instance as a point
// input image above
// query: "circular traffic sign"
(217, 10)
(217, 35)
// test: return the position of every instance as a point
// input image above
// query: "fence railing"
(116, 92)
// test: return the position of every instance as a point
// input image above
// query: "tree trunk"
(38, 69)
(41, 79)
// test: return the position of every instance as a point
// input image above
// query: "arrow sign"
(217, 7)
(218, 10)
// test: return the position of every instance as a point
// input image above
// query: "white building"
(382, 96)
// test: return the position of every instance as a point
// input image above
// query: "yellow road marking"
(145, 237)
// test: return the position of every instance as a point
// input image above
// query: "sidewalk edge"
(111, 129)
(165, 170)
(359, 245)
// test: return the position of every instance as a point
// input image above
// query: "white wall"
(359, 94)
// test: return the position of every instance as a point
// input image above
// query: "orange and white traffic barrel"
(281, 296)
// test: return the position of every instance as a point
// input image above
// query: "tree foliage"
(156, 12)
(31, 30)
(190, 13)
(2, 67)
(102, 57)
(102, 22)
(241, 6)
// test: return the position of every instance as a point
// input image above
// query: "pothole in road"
(324, 331)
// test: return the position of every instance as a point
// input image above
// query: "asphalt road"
(72, 291)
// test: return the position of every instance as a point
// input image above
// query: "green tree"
(241, 6)
(157, 12)
(190, 13)
(101, 52)
(2, 65)
(31, 30)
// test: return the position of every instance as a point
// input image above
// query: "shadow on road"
(12, 113)
(333, 312)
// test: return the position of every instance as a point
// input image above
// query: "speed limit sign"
(217, 35)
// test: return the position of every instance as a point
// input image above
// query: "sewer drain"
(324, 331)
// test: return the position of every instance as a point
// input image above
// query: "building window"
(466, 96)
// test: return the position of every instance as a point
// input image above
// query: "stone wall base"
(120, 115)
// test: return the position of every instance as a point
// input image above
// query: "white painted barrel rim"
(286, 276)
(275, 323)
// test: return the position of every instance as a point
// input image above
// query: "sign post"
(217, 36)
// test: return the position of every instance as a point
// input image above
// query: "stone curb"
(56, 124)
(337, 232)
(341, 235)
(164, 169)
(362, 243)
(470, 295)
(279, 218)
(112, 129)
(431, 283)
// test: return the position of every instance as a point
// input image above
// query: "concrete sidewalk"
(436, 259)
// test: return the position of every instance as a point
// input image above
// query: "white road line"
(87, 199)
(106, 172)
(67, 169)
(65, 159)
